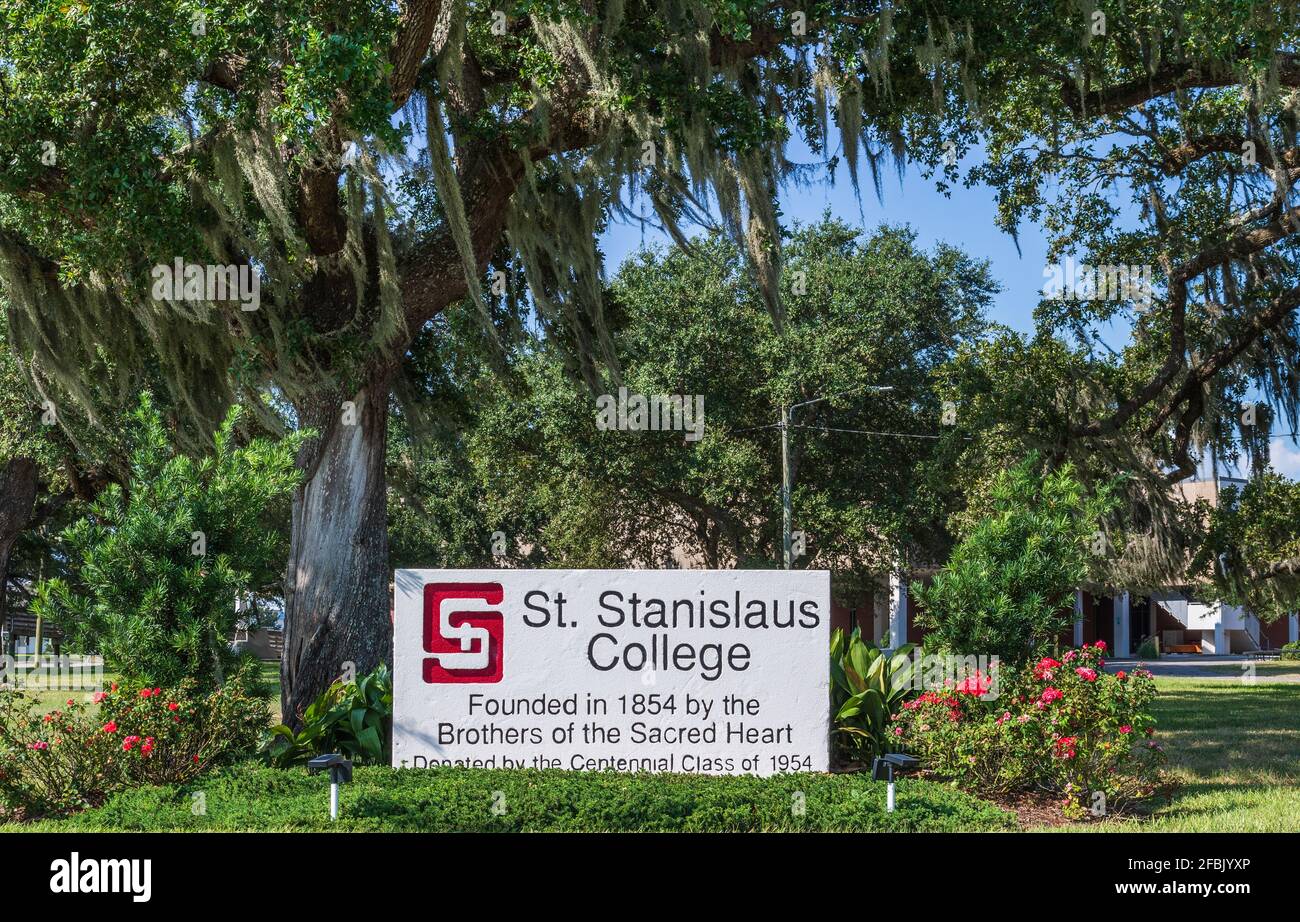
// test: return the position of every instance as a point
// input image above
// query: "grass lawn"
(46, 700)
(1269, 668)
(269, 672)
(1235, 748)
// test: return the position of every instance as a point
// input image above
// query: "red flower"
(129, 742)
(1051, 694)
(1100, 645)
(172, 705)
(157, 691)
(1120, 675)
(40, 745)
(1065, 747)
(99, 696)
(931, 698)
(145, 693)
(148, 746)
(977, 684)
(1088, 675)
(194, 758)
(110, 727)
(1126, 729)
(1043, 670)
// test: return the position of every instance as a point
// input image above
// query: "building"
(1181, 621)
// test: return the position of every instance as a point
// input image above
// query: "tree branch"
(1288, 567)
(226, 73)
(1256, 326)
(415, 32)
(431, 277)
(1238, 246)
(1167, 79)
(1194, 149)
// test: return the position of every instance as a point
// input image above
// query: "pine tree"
(156, 568)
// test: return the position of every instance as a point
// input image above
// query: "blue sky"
(964, 219)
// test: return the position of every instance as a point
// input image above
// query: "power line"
(756, 428)
(898, 435)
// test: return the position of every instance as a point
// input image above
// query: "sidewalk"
(1229, 668)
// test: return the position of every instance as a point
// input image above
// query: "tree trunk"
(17, 497)
(337, 600)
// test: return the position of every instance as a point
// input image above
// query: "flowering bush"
(1063, 726)
(76, 755)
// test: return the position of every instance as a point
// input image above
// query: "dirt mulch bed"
(1033, 810)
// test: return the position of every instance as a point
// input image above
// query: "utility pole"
(787, 506)
(786, 512)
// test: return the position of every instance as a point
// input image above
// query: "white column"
(1220, 635)
(879, 616)
(1078, 617)
(1122, 603)
(1293, 628)
(897, 610)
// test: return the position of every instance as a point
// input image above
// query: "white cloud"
(1285, 457)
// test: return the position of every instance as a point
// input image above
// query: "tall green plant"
(1007, 590)
(155, 569)
(868, 687)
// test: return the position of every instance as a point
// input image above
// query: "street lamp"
(787, 421)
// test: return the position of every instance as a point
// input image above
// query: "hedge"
(252, 797)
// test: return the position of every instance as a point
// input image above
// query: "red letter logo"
(463, 640)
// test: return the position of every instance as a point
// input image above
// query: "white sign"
(713, 671)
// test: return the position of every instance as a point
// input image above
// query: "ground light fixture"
(883, 768)
(340, 770)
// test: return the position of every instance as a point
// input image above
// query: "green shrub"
(1291, 650)
(354, 718)
(254, 797)
(75, 756)
(867, 689)
(156, 569)
(1008, 587)
(1064, 727)
(1149, 649)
